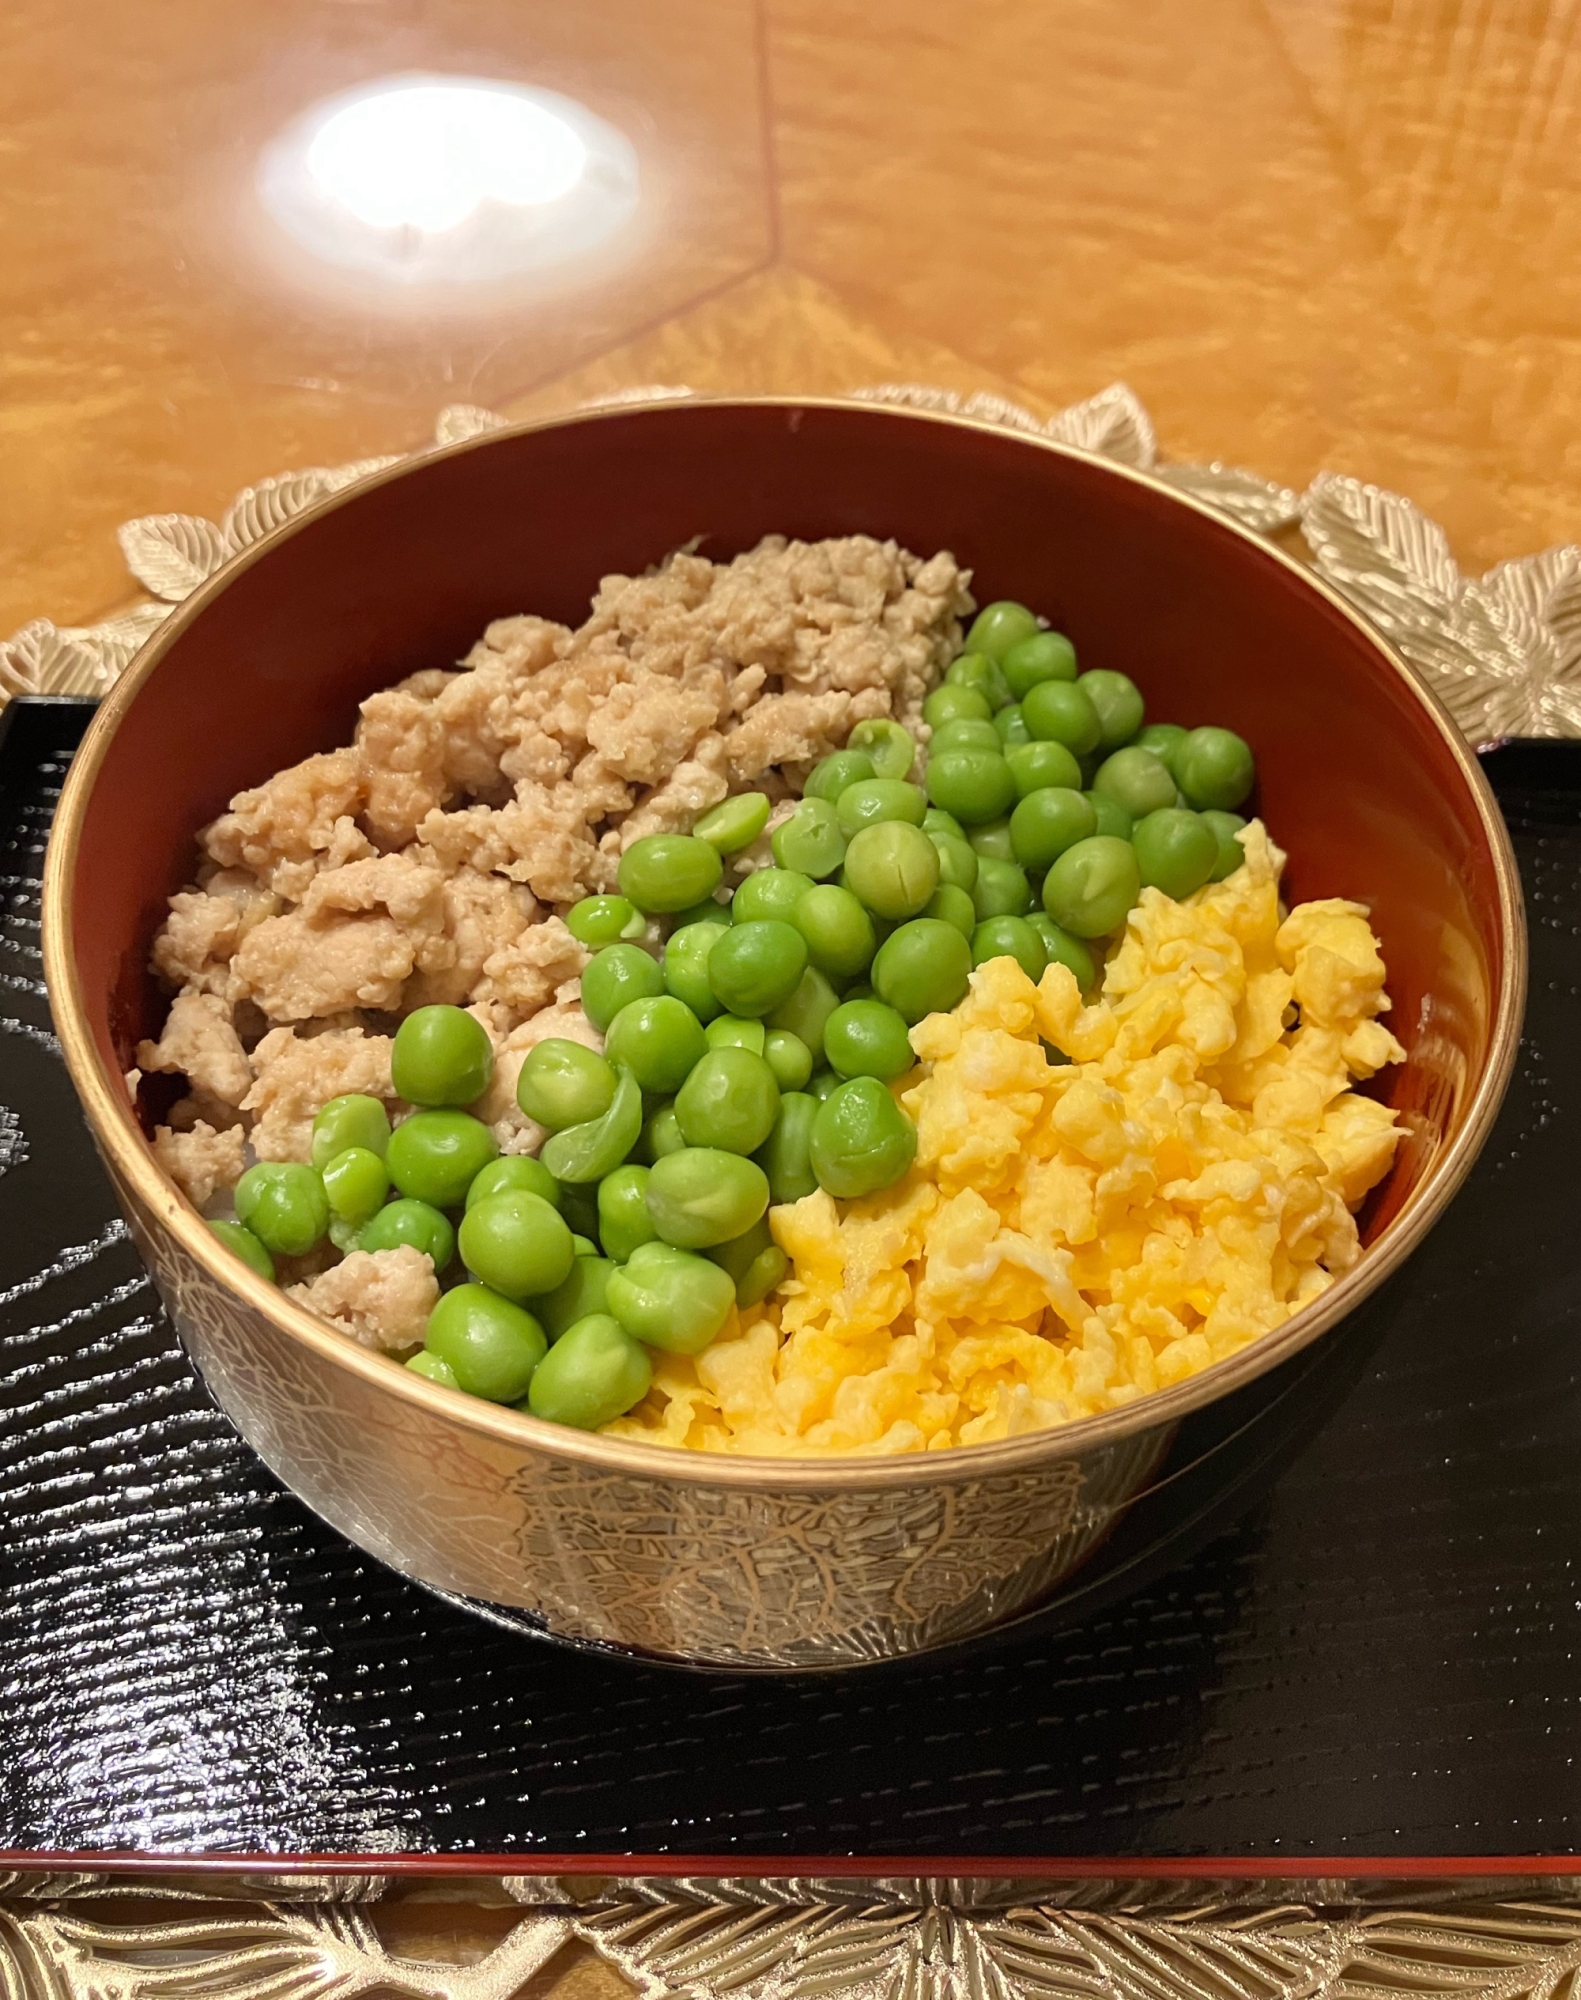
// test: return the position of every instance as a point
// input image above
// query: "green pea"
(584, 1290)
(667, 871)
(924, 968)
(1093, 886)
(614, 978)
(623, 1218)
(660, 1135)
(1010, 726)
(867, 1038)
(807, 1009)
(702, 1196)
(1176, 851)
(734, 1031)
(823, 1085)
(893, 868)
(513, 1171)
(1037, 766)
(936, 821)
(754, 1261)
(601, 920)
(830, 778)
(345, 1236)
(658, 1040)
(952, 905)
(1137, 779)
(861, 1140)
(754, 966)
(706, 912)
(839, 932)
(991, 841)
(975, 785)
(1043, 656)
(1163, 739)
(491, 1346)
(1112, 817)
(685, 967)
(810, 842)
(434, 1155)
(242, 1243)
(594, 1373)
(730, 1100)
(950, 704)
(769, 896)
(1010, 937)
(999, 626)
(784, 1155)
(418, 1225)
(564, 1083)
(1231, 853)
(432, 1369)
(860, 991)
(969, 733)
(888, 743)
(734, 823)
(579, 1206)
(586, 1152)
(584, 1246)
(355, 1184)
(789, 1057)
(1047, 822)
(672, 1299)
(878, 800)
(1002, 889)
(284, 1206)
(1063, 712)
(350, 1121)
(957, 861)
(1214, 767)
(1118, 701)
(1063, 949)
(976, 670)
(516, 1244)
(441, 1055)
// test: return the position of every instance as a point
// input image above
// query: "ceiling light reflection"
(424, 180)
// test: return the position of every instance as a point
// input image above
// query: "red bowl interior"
(1358, 779)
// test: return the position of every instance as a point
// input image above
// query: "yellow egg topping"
(1106, 1199)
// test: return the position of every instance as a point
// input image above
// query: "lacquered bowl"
(758, 1563)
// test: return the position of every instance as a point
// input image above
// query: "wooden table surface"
(1308, 233)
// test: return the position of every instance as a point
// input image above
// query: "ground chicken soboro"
(431, 858)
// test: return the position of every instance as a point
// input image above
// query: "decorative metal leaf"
(259, 510)
(1368, 534)
(1259, 504)
(324, 1954)
(668, 1943)
(1112, 423)
(171, 554)
(43, 659)
(119, 639)
(1487, 649)
(465, 420)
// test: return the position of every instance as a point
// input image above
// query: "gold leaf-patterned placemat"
(1503, 649)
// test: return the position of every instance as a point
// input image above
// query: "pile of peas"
(750, 1063)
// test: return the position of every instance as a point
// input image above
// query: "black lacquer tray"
(1348, 1625)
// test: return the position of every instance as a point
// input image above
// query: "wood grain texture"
(1309, 233)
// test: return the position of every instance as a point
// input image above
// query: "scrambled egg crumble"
(1106, 1199)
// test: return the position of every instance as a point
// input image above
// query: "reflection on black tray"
(1379, 1660)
